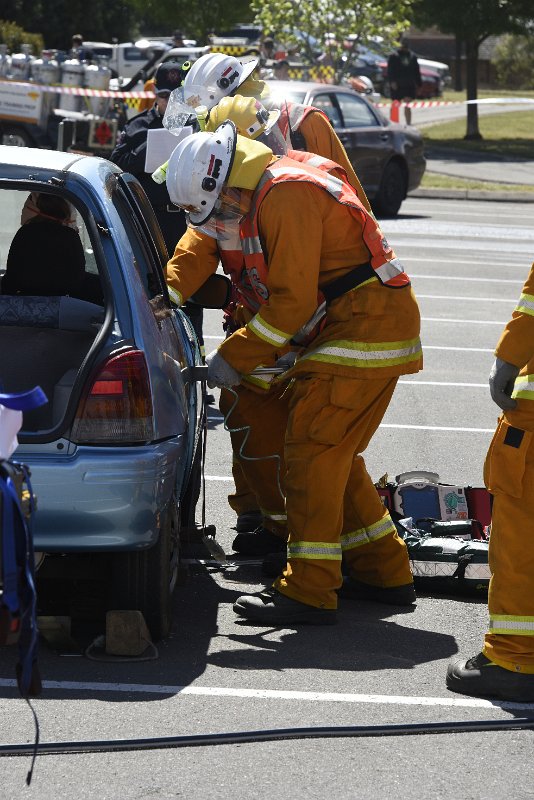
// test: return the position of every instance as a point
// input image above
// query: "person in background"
(281, 70)
(78, 50)
(130, 155)
(178, 39)
(504, 669)
(404, 76)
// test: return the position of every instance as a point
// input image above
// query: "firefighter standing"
(505, 667)
(304, 230)
(212, 79)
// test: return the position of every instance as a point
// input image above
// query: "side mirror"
(216, 292)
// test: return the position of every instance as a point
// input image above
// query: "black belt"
(347, 282)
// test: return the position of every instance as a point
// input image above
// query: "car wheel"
(392, 190)
(145, 580)
(16, 137)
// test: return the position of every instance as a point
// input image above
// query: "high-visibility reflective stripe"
(366, 354)
(274, 516)
(266, 332)
(314, 550)
(526, 304)
(517, 625)
(264, 382)
(251, 245)
(363, 536)
(390, 269)
(524, 387)
(175, 296)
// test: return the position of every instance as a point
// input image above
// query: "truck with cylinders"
(59, 103)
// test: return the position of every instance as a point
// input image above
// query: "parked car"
(387, 157)
(115, 454)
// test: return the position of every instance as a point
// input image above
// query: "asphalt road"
(468, 261)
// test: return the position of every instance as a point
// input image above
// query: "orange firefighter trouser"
(333, 507)
(264, 417)
(509, 476)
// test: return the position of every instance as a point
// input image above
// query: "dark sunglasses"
(164, 94)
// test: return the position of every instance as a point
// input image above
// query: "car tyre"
(392, 191)
(145, 580)
(15, 136)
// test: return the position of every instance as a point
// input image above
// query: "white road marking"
(464, 278)
(466, 321)
(470, 262)
(443, 383)
(273, 694)
(438, 428)
(471, 298)
(460, 349)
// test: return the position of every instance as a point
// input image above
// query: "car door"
(369, 143)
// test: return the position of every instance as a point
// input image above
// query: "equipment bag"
(18, 602)
(447, 564)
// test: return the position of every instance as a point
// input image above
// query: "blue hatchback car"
(84, 313)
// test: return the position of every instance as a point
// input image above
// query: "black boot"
(274, 608)
(258, 543)
(248, 521)
(352, 589)
(274, 564)
(480, 677)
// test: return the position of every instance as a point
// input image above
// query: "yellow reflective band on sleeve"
(263, 383)
(526, 304)
(363, 536)
(524, 387)
(325, 551)
(518, 626)
(266, 332)
(175, 296)
(367, 354)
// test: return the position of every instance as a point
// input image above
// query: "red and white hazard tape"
(79, 90)
(423, 103)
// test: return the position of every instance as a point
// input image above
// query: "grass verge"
(431, 180)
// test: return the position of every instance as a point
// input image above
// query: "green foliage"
(197, 18)
(514, 62)
(473, 20)
(331, 22)
(14, 36)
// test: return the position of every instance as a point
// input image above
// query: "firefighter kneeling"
(303, 229)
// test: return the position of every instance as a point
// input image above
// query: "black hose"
(243, 737)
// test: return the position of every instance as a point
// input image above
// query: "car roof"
(32, 157)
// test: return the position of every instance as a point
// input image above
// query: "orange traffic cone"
(394, 111)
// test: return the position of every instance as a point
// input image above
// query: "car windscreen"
(292, 96)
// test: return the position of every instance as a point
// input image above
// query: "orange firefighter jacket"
(309, 239)
(197, 255)
(516, 344)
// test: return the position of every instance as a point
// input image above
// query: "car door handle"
(344, 139)
(384, 137)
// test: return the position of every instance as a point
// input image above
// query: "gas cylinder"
(21, 64)
(5, 62)
(72, 74)
(97, 76)
(46, 71)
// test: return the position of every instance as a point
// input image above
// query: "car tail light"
(116, 408)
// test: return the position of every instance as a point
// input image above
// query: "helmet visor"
(223, 224)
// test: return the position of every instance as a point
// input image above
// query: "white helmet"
(211, 78)
(198, 168)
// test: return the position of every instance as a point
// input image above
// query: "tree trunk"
(458, 79)
(471, 55)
